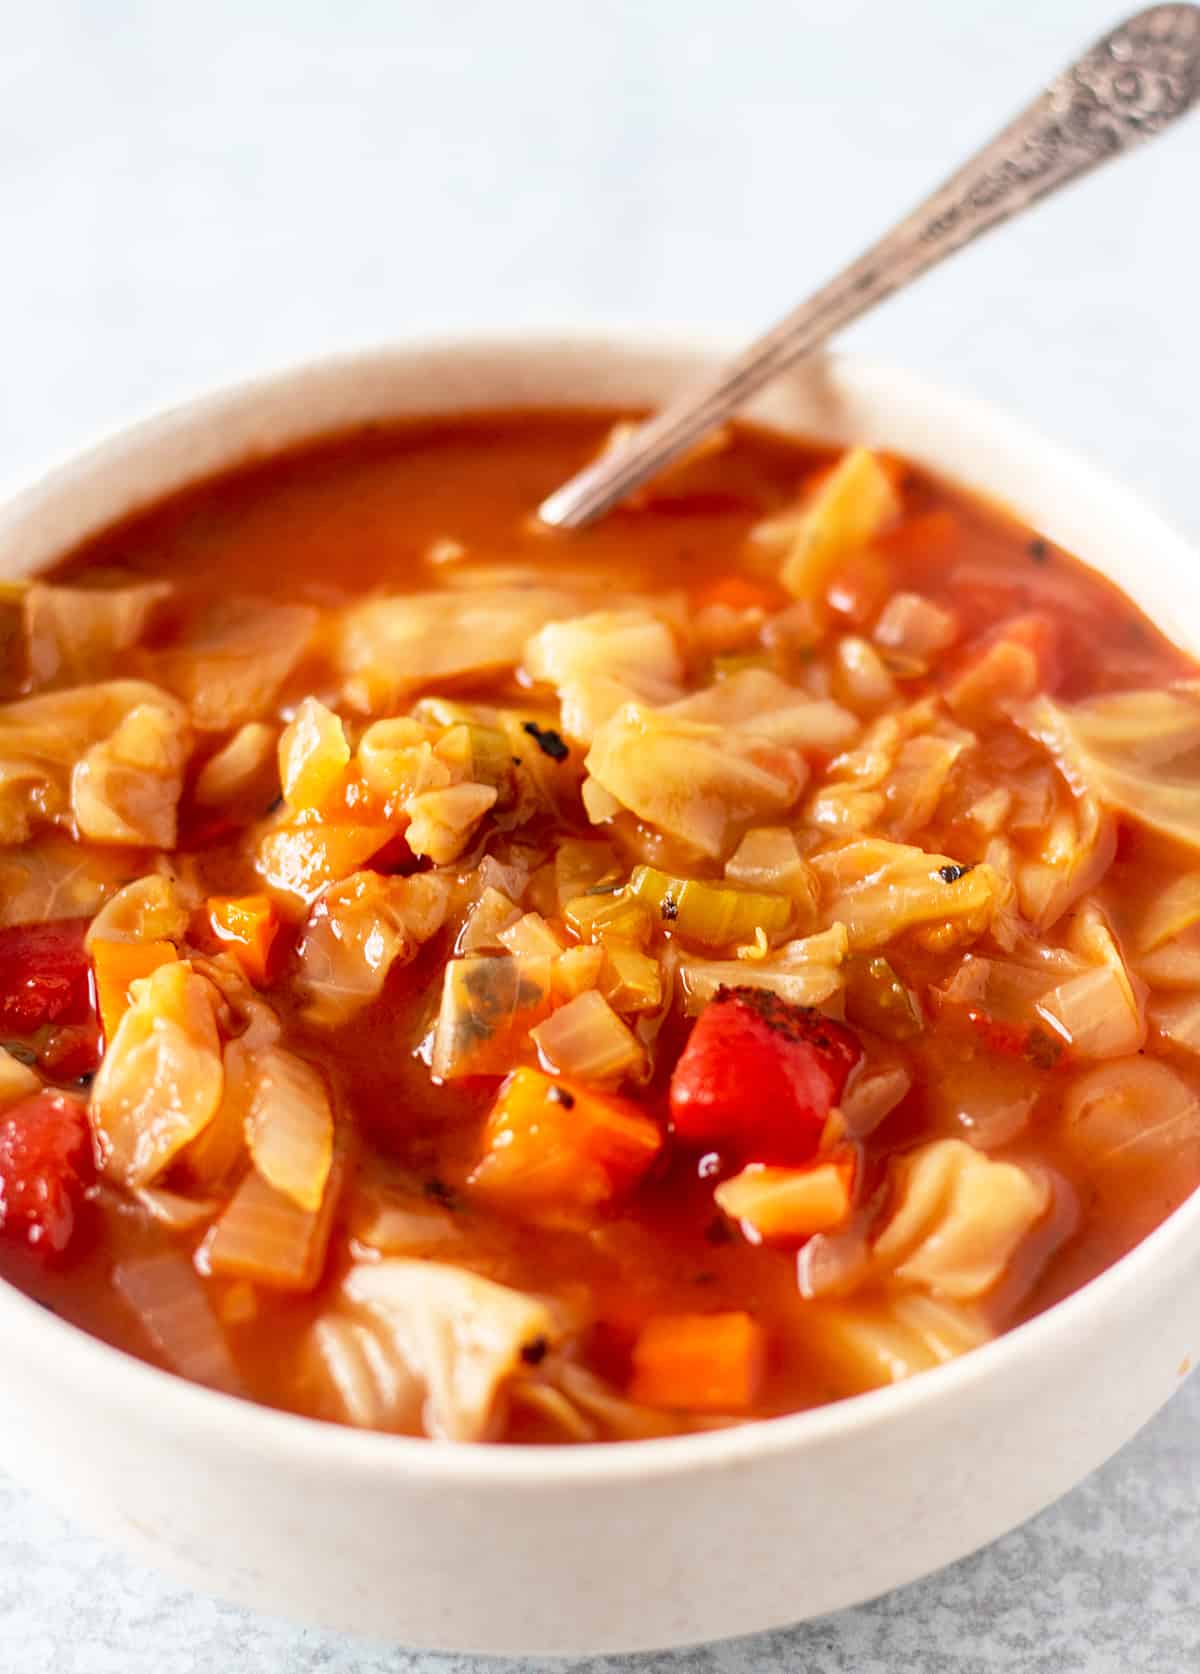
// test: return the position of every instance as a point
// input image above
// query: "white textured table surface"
(189, 192)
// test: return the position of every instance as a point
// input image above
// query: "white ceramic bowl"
(643, 1544)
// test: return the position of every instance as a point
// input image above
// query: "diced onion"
(169, 1301)
(289, 1126)
(586, 1038)
(266, 1237)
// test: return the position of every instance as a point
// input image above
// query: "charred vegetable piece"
(43, 975)
(46, 1165)
(699, 1362)
(551, 1144)
(758, 1077)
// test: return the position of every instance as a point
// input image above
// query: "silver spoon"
(1128, 87)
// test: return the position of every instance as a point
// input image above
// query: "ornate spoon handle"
(1128, 87)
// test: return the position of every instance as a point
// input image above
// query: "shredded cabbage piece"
(695, 782)
(358, 930)
(387, 647)
(43, 738)
(231, 665)
(1137, 752)
(959, 1218)
(74, 635)
(313, 753)
(1100, 1012)
(1132, 1110)
(879, 890)
(459, 1335)
(852, 506)
(126, 788)
(603, 660)
(870, 1344)
(160, 1081)
(805, 973)
(757, 702)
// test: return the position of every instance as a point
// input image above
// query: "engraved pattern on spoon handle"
(1128, 87)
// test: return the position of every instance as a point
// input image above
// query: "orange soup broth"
(361, 513)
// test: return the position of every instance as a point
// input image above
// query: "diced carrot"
(248, 926)
(741, 592)
(789, 1205)
(699, 1362)
(554, 1144)
(116, 964)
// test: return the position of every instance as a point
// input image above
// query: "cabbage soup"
(463, 980)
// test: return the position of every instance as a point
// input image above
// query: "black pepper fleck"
(669, 908)
(535, 1351)
(1039, 551)
(561, 1096)
(86, 1079)
(547, 740)
(1042, 1050)
(953, 872)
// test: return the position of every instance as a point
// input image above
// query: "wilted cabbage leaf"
(229, 667)
(43, 738)
(76, 634)
(1138, 752)
(600, 661)
(690, 780)
(160, 1081)
(460, 1335)
(358, 930)
(958, 1219)
(390, 646)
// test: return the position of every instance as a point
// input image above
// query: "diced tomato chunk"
(71, 1052)
(44, 975)
(758, 1077)
(46, 1165)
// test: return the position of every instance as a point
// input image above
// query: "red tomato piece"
(46, 1165)
(758, 1077)
(71, 1052)
(44, 975)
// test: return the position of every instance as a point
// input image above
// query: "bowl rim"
(234, 1423)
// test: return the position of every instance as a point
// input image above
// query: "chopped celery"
(716, 914)
(609, 917)
(580, 865)
(632, 980)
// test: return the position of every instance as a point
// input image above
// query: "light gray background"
(188, 192)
